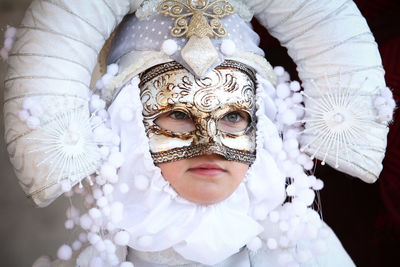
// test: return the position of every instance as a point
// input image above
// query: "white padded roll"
(55, 52)
(338, 61)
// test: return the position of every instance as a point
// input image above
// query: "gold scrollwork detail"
(205, 17)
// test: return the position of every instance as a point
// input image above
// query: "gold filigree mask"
(185, 116)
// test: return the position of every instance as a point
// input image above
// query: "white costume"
(55, 144)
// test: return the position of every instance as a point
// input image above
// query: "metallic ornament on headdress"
(207, 103)
(199, 30)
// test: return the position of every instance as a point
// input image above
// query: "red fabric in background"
(366, 217)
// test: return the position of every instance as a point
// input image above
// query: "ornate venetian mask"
(185, 116)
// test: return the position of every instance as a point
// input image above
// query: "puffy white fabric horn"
(340, 68)
(51, 64)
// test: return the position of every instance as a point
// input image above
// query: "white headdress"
(54, 143)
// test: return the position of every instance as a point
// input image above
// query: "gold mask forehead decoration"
(199, 11)
(228, 88)
(204, 23)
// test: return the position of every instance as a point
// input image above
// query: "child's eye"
(175, 121)
(234, 122)
(233, 117)
(178, 115)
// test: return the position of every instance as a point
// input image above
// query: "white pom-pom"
(385, 113)
(110, 227)
(391, 103)
(112, 259)
(76, 245)
(386, 92)
(23, 115)
(102, 202)
(295, 86)
(285, 258)
(289, 117)
(228, 47)
(112, 69)
(106, 79)
(271, 243)
(307, 196)
(279, 71)
(64, 252)
(106, 210)
(33, 122)
(297, 98)
(94, 213)
(110, 247)
(255, 244)
(107, 170)
(308, 165)
(291, 190)
(141, 182)
(123, 188)
(28, 103)
(122, 238)
(100, 180)
(126, 264)
(274, 216)
(97, 104)
(95, 228)
(99, 84)
(116, 159)
(96, 262)
(145, 241)
(69, 224)
(36, 110)
(379, 101)
(290, 144)
(126, 114)
(169, 47)
(318, 184)
(282, 91)
(97, 193)
(108, 189)
(100, 246)
(93, 238)
(65, 185)
(83, 237)
(85, 221)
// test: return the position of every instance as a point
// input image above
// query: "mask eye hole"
(176, 121)
(234, 121)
